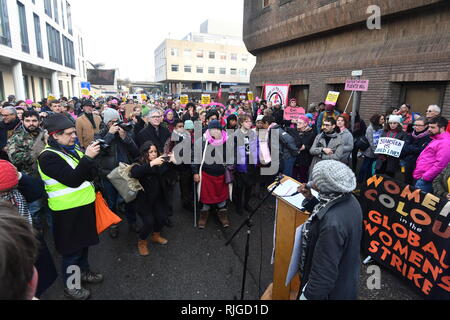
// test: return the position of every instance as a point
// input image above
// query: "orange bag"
(105, 217)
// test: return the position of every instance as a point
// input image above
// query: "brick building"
(314, 45)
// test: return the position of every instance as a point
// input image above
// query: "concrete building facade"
(203, 62)
(314, 45)
(41, 50)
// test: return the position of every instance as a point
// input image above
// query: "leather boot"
(203, 219)
(143, 248)
(223, 217)
(156, 238)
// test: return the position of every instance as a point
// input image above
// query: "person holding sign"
(386, 164)
(435, 158)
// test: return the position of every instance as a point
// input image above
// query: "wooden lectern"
(289, 218)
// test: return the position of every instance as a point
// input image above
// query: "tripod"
(249, 224)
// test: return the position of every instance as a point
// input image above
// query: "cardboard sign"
(357, 85)
(277, 93)
(293, 113)
(143, 97)
(206, 99)
(251, 96)
(408, 232)
(390, 147)
(184, 99)
(332, 98)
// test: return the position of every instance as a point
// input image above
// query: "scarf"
(215, 142)
(324, 200)
(420, 135)
(16, 198)
(165, 116)
(90, 117)
(11, 126)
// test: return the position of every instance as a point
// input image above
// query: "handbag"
(104, 216)
(362, 143)
(127, 187)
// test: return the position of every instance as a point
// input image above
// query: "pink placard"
(293, 113)
(357, 85)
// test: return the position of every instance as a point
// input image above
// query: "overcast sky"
(125, 34)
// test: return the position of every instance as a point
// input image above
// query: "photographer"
(67, 174)
(121, 148)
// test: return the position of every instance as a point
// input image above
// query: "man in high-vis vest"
(67, 174)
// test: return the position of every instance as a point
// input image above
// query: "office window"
(174, 52)
(175, 68)
(233, 71)
(5, 35)
(199, 69)
(234, 56)
(37, 32)
(27, 87)
(69, 18)
(48, 8)
(222, 56)
(188, 69)
(199, 53)
(211, 70)
(243, 72)
(54, 45)
(55, 10)
(69, 53)
(223, 70)
(212, 55)
(23, 28)
(42, 88)
(61, 89)
(187, 53)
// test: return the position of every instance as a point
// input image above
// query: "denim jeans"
(79, 258)
(288, 166)
(425, 186)
(113, 197)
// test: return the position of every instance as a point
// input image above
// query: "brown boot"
(203, 219)
(143, 248)
(223, 217)
(156, 238)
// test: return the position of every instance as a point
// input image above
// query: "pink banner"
(357, 85)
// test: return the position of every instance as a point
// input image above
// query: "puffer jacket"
(434, 159)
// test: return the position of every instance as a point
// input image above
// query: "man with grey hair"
(433, 111)
(8, 126)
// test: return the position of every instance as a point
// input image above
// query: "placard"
(184, 99)
(277, 93)
(206, 99)
(390, 147)
(293, 113)
(332, 98)
(357, 85)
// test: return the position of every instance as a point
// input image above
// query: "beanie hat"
(215, 124)
(259, 118)
(395, 118)
(57, 122)
(305, 119)
(87, 103)
(333, 176)
(110, 114)
(9, 177)
(29, 101)
(189, 125)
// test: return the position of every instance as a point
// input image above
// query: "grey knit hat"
(332, 176)
(110, 114)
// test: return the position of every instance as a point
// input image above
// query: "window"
(188, 69)
(42, 87)
(245, 57)
(212, 55)
(62, 15)
(175, 68)
(211, 70)
(233, 71)
(23, 28)
(234, 56)
(37, 32)
(187, 53)
(199, 69)
(199, 53)
(69, 18)
(48, 8)
(243, 72)
(2, 89)
(174, 52)
(54, 45)
(69, 53)
(26, 86)
(222, 56)
(61, 89)
(223, 70)
(5, 35)
(55, 10)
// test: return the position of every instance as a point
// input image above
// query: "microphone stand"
(249, 224)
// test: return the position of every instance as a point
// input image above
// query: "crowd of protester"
(52, 150)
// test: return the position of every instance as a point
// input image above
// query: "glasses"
(7, 115)
(419, 125)
(157, 117)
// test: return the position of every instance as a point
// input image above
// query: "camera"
(125, 126)
(102, 143)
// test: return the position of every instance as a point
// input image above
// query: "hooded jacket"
(434, 159)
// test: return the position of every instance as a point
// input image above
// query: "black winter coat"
(149, 134)
(303, 139)
(288, 148)
(413, 148)
(333, 261)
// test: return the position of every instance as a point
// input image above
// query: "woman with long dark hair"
(151, 204)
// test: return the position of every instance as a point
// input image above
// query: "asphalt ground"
(196, 264)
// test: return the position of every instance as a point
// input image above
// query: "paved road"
(196, 265)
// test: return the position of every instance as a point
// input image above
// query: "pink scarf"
(212, 141)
